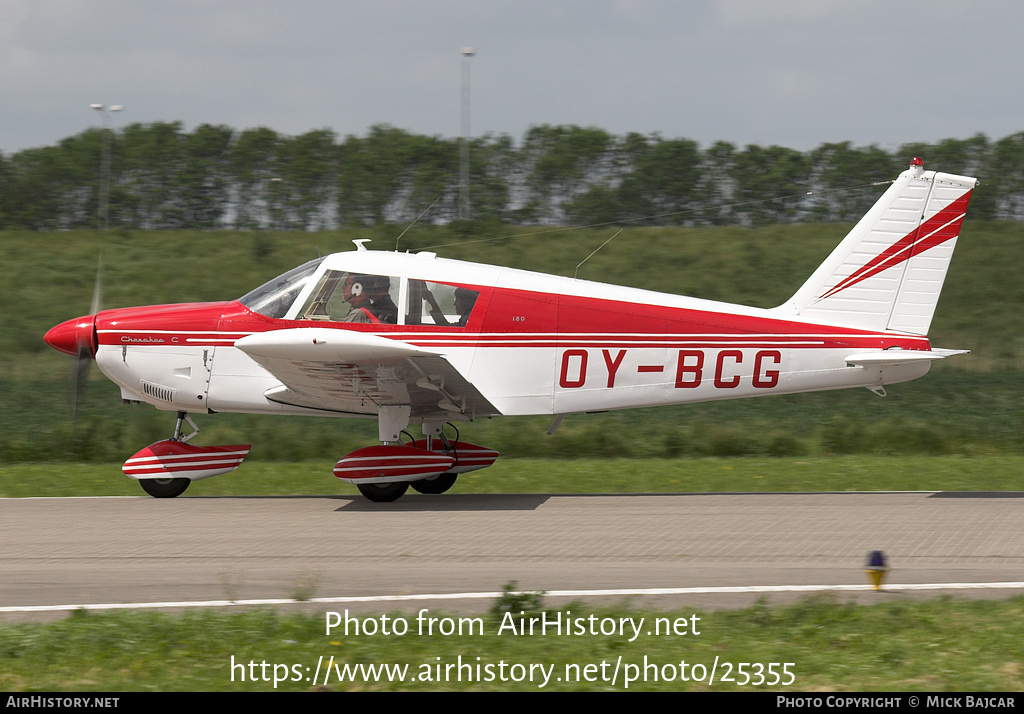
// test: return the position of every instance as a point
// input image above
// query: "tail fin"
(888, 272)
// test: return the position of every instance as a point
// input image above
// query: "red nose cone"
(73, 336)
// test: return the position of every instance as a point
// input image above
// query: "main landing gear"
(430, 465)
(388, 492)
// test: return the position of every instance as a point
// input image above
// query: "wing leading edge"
(358, 373)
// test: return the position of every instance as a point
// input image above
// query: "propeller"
(78, 338)
(97, 287)
(85, 342)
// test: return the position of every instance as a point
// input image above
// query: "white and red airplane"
(411, 338)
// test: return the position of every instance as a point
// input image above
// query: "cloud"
(789, 72)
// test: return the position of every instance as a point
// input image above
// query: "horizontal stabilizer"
(893, 357)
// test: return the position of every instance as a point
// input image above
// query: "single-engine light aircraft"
(411, 338)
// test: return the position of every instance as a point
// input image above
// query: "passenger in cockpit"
(465, 299)
(381, 304)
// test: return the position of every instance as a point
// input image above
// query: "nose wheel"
(156, 466)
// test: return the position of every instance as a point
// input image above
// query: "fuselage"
(531, 343)
(415, 339)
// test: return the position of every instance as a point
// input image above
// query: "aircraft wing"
(355, 372)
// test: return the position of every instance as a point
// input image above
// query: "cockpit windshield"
(275, 297)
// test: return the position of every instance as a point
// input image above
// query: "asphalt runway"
(75, 551)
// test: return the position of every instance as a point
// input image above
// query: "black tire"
(383, 492)
(164, 487)
(438, 484)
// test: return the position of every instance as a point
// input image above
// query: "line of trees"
(163, 177)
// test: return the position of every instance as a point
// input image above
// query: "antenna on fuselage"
(594, 253)
(414, 221)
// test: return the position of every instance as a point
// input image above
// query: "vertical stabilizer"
(888, 272)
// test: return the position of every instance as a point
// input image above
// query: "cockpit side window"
(439, 304)
(275, 297)
(353, 297)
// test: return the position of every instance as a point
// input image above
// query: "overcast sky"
(791, 72)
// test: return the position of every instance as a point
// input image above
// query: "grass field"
(830, 646)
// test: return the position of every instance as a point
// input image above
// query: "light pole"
(105, 112)
(467, 53)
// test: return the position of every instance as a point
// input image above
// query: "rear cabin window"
(439, 304)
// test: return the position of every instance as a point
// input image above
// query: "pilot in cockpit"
(354, 292)
(369, 298)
